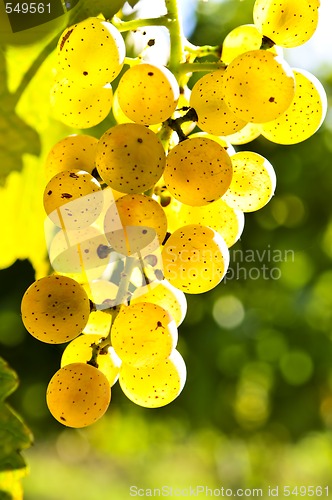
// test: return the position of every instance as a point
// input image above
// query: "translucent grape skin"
(134, 221)
(78, 395)
(130, 158)
(55, 309)
(75, 151)
(289, 23)
(198, 171)
(143, 334)
(165, 295)
(79, 350)
(73, 199)
(227, 221)
(305, 114)
(154, 386)
(148, 94)
(253, 183)
(90, 53)
(195, 259)
(80, 107)
(207, 99)
(258, 86)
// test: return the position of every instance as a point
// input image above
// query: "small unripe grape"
(78, 395)
(55, 309)
(148, 94)
(157, 385)
(130, 158)
(75, 151)
(91, 53)
(73, 199)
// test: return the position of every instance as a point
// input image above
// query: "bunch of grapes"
(148, 212)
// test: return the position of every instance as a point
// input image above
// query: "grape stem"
(175, 123)
(120, 300)
(135, 24)
(198, 66)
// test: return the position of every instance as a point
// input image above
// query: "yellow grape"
(78, 395)
(130, 158)
(80, 107)
(242, 39)
(207, 98)
(75, 151)
(73, 199)
(289, 23)
(253, 183)
(102, 293)
(247, 134)
(133, 222)
(195, 258)
(121, 117)
(154, 386)
(91, 53)
(258, 86)
(164, 295)
(305, 114)
(198, 171)
(55, 309)
(79, 252)
(227, 221)
(143, 333)
(148, 94)
(223, 141)
(79, 350)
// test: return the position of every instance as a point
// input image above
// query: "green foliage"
(14, 436)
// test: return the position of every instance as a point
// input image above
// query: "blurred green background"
(256, 410)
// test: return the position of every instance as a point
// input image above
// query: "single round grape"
(55, 309)
(227, 221)
(154, 386)
(305, 114)
(73, 199)
(130, 158)
(195, 258)
(80, 107)
(198, 171)
(253, 183)
(258, 86)
(78, 395)
(143, 334)
(133, 222)
(79, 252)
(148, 94)
(121, 117)
(79, 350)
(289, 23)
(164, 295)
(91, 53)
(242, 39)
(207, 98)
(75, 151)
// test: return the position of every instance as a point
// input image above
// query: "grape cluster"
(148, 212)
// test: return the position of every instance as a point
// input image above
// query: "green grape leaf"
(16, 136)
(14, 436)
